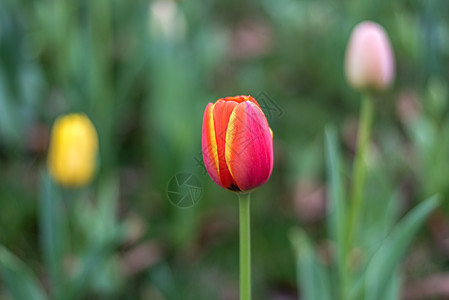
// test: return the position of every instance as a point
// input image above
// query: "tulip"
(369, 67)
(166, 20)
(369, 61)
(73, 150)
(238, 155)
(237, 143)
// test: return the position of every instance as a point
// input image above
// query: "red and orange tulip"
(237, 143)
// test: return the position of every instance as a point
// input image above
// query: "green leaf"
(424, 135)
(51, 219)
(381, 268)
(10, 127)
(380, 217)
(98, 223)
(313, 279)
(393, 289)
(91, 266)
(106, 210)
(336, 208)
(19, 279)
(162, 277)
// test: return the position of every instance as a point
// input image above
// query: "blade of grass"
(97, 255)
(163, 278)
(18, 278)
(336, 208)
(393, 289)
(51, 221)
(313, 280)
(381, 268)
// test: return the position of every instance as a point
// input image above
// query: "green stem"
(359, 172)
(245, 247)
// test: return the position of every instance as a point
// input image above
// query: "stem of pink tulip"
(359, 173)
(245, 247)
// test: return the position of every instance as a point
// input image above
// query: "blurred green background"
(144, 71)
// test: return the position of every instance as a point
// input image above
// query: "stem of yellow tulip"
(359, 173)
(245, 247)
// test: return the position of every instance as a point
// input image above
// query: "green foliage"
(145, 86)
(380, 271)
(336, 220)
(21, 281)
(378, 277)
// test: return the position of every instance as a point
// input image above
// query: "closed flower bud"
(237, 143)
(369, 61)
(72, 156)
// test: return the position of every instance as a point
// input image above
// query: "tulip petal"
(249, 146)
(240, 99)
(209, 145)
(222, 111)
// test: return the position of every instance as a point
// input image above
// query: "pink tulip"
(237, 143)
(369, 58)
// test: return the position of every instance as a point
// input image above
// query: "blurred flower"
(408, 108)
(310, 201)
(237, 143)
(73, 150)
(37, 139)
(249, 39)
(166, 20)
(141, 257)
(369, 58)
(135, 228)
(349, 133)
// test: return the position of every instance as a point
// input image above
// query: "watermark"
(270, 108)
(199, 162)
(184, 190)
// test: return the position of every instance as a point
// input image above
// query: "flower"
(73, 150)
(166, 20)
(237, 143)
(369, 58)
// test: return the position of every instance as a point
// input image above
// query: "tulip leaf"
(99, 225)
(162, 277)
(51, 220)
(11, 130)
(92, 263)
(107, 207)
(313, 279)
(18, 278)
(381, 268)
(336, 203)
(393, 288)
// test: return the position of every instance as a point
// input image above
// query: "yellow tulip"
(73, 150)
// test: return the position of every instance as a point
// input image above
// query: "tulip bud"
(73, 150)
(237, 143)
(369, 58)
